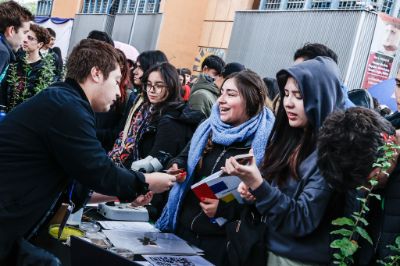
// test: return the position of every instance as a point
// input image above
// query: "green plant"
(347, 244)
(18, 80)
(46, 74)
(392, 260)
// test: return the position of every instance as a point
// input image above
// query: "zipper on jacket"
(194, 219)
(226, 149)
(238, 225)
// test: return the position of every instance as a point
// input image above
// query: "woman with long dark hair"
(239, 121)
(158, 129)
(289, 190)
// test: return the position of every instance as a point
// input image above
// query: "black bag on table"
(246, 239)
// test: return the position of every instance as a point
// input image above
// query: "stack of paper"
(149, 243)
(157, 260)
(128, 226)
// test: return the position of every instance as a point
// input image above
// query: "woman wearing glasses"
(158, 129)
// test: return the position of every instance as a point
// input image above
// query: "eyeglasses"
(30, 38)
(157, 88)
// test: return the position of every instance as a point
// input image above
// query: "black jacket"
(44, 143)
(394, 119)
(170, 132)
(6, 56)
(164, 139)
(193, 225)
(58, 61)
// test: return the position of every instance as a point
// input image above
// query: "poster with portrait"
(203, 53)
(384, 47)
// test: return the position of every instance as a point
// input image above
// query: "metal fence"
(266, 41)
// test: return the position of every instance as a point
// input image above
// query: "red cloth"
(186, 96)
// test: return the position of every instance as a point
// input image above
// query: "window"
(320, 4)
(44, 7)
(387, 6)
(272, 4)
(97, 6)
(295, 4)
(348, 4)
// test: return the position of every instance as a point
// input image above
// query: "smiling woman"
(239, 121)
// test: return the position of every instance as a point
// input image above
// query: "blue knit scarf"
(257, 128)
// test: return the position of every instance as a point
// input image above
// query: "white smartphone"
(243, 158)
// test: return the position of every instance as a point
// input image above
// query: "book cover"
(218, 186)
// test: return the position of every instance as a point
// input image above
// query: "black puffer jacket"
(193, 225)
(170, 132)
(164, 139)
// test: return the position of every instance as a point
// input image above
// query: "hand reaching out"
(143, 200)
(159, 182)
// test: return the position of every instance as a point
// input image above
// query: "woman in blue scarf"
(239, 121)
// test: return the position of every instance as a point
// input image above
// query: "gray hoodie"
(297, 216)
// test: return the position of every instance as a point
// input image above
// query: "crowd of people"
(104, 127)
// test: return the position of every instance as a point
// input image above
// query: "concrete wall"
(85, 23)
(181, 30)
(146, 31)
(66, 8)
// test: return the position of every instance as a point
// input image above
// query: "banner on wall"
(203, 53)
(63, 29)
(384, 47)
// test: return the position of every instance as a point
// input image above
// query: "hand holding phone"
(244, 159)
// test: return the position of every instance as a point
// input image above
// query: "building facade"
(390, 7)
(187, 32)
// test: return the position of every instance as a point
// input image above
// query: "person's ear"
(10, 31)
(41, 44)
(96, 74)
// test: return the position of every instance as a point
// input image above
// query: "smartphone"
(174, 172)
(180, 174)
(244, 158)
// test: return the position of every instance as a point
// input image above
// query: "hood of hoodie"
(319, 82)
(205, 84)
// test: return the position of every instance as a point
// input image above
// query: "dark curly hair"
(348, 144)
(42, 34)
